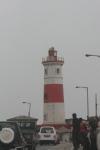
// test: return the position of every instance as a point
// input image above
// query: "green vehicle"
(21, 135)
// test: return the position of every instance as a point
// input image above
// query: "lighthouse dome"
(51, 49)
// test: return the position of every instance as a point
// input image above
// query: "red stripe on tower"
(53, 93)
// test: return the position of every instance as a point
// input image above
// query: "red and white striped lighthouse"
(53, 111)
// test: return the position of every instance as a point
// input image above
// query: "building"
(54, 111)
(65, 134)
(69, 121)
(53, 98)
(23, 118)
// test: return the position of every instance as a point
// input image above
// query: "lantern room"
(52, 52)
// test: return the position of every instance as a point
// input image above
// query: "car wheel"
(29, 147)
(41, 143)
(32, 147)
(54, 143)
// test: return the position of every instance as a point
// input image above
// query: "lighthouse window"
(46, 97)
(55, 53)
(45, 71)
(58, 70)
(45, 117)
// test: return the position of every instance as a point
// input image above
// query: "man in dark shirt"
(90, 141)
(76, 131)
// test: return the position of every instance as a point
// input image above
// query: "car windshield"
(47, 130)
(27, 125)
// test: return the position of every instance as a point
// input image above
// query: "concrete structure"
(69, 121)
(23, 118)
(54, 111)
(65, 134)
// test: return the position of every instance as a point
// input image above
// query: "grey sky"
(28, 28)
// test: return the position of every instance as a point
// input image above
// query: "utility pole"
(87, 104)
(87, 100)
(95, 104)
(29, 108)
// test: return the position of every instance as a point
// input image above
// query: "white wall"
(55, 113)
(52, 71)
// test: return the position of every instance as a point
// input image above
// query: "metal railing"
(58, 59)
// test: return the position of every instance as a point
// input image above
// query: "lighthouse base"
(54, 113)
(50, 123)
(56, 126)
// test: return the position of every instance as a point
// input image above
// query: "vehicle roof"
(47, 127)
(7, 121)
(22, 118)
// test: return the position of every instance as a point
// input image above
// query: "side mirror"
(0, 127)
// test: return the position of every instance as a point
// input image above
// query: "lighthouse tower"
(53, 111)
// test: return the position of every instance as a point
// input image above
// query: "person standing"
(91, 137)
(76, 131)
(83, 130)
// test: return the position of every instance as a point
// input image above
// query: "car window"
(47, 130)
(22, 124)
(27, 125)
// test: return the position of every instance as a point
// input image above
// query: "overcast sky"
(28, 28)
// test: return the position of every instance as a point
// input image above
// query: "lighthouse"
(53, 97)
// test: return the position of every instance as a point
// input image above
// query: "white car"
(47, 134)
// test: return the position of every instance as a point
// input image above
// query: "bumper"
(10, 146)
(47, 141)
(13, 146)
